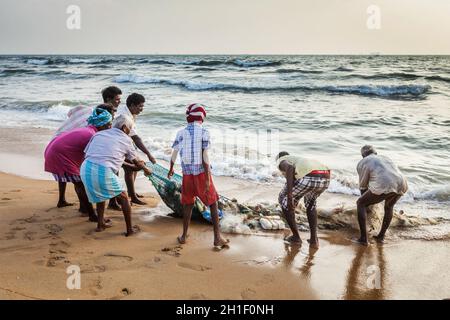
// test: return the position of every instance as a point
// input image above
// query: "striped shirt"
(76, 118)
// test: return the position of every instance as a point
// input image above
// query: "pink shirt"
(65, 153)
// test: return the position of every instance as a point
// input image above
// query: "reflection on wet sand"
(366, 278)
(291, 253)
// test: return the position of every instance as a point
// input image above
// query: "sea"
(320, 107)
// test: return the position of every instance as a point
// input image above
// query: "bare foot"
(100, 228)
(106, 224)
(379, 239)
(63, 204)
(139, 195)
(133, 231)
(221, 242)
(182, 239)
(137, 201)
(360, 241)
(313, 245)
(293, 240)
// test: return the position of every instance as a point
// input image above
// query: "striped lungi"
(100, 182)
(66, 177)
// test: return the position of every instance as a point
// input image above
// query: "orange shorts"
(195, 186)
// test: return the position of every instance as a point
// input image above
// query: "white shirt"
(109, 148)
(380, 175)
(76, 118)
(123, 109)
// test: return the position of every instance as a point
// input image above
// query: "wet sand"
(38, 242)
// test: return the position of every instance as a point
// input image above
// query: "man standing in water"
(304, 178)
(379, 180)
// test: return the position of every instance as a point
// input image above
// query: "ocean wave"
(438, 78)
(299, 71)
(386, 91)
(441, 194)
(255, 63)
(68, 60)
(343, 186)
(15, 71)
(39, 61)
(88, 60)
(204, 69)
(48, 72)
(39, 108)
(392, 91)
(387, 76)
(343, 69)
(398, 75)
(209, 63)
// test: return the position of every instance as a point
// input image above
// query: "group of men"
(112, 141)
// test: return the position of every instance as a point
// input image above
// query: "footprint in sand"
(6, 199)
(172, 251)
(60, 244)
(18, 228)
(29, 235)
(53, 229)
(156, 262)
(10, 235)
(54, 259)
(126, 291)
(118, 255)
(31, 219)
(248, 294)
(195, 267)
(96, 285)
(266, 278)
(198, 296)
(94, 269)
(57, 251)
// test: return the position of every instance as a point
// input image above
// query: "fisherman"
(305, 178)
(379, 180)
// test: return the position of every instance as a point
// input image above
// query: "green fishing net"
(170, 191)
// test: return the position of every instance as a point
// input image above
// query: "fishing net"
(170, 192)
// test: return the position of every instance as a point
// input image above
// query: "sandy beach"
(39, 242)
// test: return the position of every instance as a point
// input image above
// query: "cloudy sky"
(228, 27)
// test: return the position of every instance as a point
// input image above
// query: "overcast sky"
(227, 26)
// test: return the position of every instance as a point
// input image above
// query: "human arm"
(172, 163)
(207, 168)
(364, 177)
(141, 146)
(289, 170)
(140, 164)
